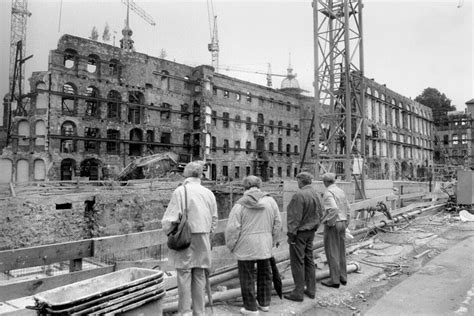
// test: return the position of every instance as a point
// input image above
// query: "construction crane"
(339, 111)
(19, 16)
(268, 74)
(126, 42)
(139, 11)
(213, 47)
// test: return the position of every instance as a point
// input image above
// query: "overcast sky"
(409, 45)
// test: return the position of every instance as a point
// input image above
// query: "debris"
(381, 277)
(421, 254)
(465, 216)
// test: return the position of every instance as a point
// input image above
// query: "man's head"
(329, 178)
(304, 178)
(251, 182)
(193, 169)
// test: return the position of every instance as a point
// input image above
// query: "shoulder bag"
(180, 236)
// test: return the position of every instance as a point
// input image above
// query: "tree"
(163, 53)
(94, 34)
(106, 34)
(438, 102)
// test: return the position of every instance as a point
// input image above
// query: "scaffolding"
(339, 124)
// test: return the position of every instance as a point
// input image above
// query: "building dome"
(290, 81)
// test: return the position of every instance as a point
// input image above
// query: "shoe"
(343, 282)
(244, 311)
(308, 294)
(263, 308)
(293, 297)
(330, 284)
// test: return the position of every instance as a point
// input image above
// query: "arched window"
(6, 166)
(136, 135)
(113, 105)
(92, 63)
(40, 132)
(68, 169)
(92, 104)
(113, 146)
(135, 112)
(22, 170)
(39, 168)
(114, 67)
(68, 128)
(260, 122)
(70, 58)
(165, 80)
(23, 133)
(68, 103)
(296, 149)
(42, 96)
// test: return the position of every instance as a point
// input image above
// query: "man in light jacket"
(336, 220)
(252, 229)
(192, 262)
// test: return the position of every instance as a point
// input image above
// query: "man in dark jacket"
(303, 216)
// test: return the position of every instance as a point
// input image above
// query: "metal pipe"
(233, 293)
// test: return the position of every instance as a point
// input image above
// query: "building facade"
(454, 141)
(98, 107)
(399, 135)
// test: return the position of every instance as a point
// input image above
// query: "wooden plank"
(123, 243)
(371, 202)
(43, 255)
(26, 288)
(411, 196)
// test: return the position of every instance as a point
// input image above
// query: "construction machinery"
(268, 74)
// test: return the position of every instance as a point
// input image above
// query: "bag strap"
(185, 200)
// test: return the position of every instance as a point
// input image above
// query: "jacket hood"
(251, 200)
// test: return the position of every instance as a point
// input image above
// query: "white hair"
(193, 169)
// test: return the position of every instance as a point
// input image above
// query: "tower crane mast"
(339, 112)
(213, 47)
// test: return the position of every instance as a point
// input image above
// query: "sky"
(408, 45)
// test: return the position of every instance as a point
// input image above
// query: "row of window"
(248, 146)
(397, 118)
(237, 96)
(248, 123)
(456, 139)
(381, 97)
(271, 172)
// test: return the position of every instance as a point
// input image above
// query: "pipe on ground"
(233, 293)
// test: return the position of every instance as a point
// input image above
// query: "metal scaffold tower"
(19, 18)
(339, 124)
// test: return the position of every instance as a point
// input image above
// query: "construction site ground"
(393, 263)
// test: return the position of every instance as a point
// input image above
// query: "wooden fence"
(76, 251)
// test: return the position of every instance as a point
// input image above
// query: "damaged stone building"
(454, 139)
(98, 107)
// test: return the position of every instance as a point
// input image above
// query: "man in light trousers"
(336, 220)
(191, 263)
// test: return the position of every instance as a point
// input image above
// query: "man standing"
(252, 229)
(303, 216)
(192, 262)
(336, 220)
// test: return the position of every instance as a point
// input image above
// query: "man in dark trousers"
(303, 216)
(336, 220)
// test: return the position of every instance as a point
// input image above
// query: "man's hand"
(291, 238)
